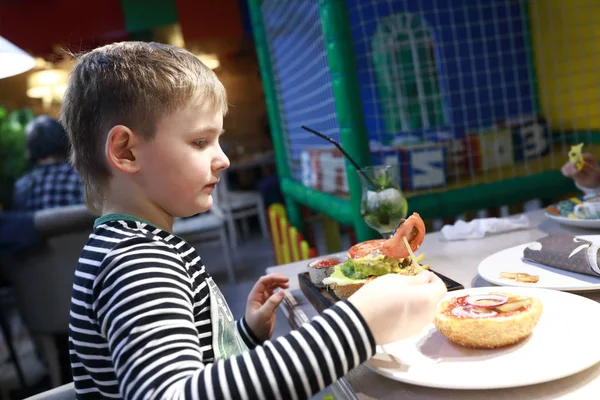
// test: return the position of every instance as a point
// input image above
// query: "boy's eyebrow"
(209, 130)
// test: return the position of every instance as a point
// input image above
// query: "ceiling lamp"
(48, 84)
(13, 60)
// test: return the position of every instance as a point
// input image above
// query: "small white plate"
(562, 344)
(511, 260)
(577, 222)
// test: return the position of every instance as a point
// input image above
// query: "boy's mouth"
(212, 185)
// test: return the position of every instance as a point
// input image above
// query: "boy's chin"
(203, 204)
(200, 205)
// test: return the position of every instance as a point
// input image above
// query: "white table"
(459, 260)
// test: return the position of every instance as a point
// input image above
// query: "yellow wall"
(566, 48)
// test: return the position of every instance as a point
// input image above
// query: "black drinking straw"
(336, 144)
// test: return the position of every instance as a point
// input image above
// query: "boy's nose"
(221, 161)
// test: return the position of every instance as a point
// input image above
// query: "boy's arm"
(145, 309)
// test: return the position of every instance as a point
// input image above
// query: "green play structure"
(380, 74)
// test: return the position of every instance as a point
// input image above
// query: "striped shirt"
(140, 328)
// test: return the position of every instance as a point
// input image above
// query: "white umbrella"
(13, 60)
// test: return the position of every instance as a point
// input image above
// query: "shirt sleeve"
(144, 307)
(246, 333)
(588, 192)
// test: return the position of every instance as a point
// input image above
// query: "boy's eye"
(201, 143)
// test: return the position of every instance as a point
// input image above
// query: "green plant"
(13, 155)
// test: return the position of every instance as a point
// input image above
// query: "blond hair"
(135, 84)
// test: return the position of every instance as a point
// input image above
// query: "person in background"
(52, 182)
(586, 180)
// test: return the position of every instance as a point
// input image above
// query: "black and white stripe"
(140, 328)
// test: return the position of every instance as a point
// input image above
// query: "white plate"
(511, 260)
(577, 222)
(563, 343)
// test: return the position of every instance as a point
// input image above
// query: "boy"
(147, 321)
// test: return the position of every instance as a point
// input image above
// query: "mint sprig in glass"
(383, 205)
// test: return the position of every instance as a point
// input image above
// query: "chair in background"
(42, 278)
(288, 244)
(6, 305)
(239, 205)
(17, 233)
(208, 228)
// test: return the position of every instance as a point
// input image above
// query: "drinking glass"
(383, 205)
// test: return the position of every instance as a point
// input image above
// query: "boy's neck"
(163, 221)
(130, 202)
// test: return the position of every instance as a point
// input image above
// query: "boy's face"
(181, 164)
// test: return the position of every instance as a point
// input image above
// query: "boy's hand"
(261, 308)
(588, 177)
(396, 306)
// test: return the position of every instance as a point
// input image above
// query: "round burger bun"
(487, 333)
(345, 291)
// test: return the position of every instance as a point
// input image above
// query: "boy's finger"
(569, 170)
(283, 285)
(421, 278)
(270, 279)
(588, 157)
(272, 303)
(590, 165)
(426, 276)
(587, 168)
(274, 277)
(264, 282)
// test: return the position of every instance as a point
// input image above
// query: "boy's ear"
(120, 144)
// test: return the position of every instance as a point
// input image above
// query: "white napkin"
(478, 228)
